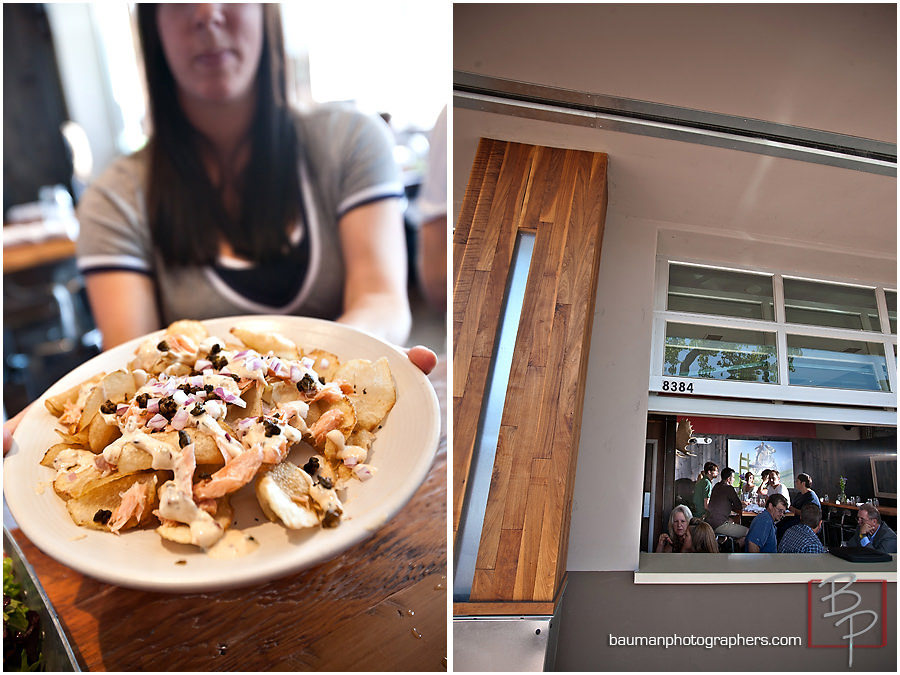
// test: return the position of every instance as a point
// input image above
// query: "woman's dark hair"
(186, 212)
(805, 479)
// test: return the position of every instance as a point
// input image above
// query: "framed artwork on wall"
(759, 454)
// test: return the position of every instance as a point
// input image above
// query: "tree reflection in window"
(728, 354)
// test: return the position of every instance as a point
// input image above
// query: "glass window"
(837, 364)
(890, 298)
(720, 353)
(815, 303)
(709, 290)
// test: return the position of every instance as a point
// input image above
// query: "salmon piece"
(329, 421)
(184, 469)
(134, 499)
(333, 392)
(235, 474)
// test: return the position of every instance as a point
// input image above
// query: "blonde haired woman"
(678, 538)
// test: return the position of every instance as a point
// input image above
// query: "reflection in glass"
(708, 290)
(720, 353)
(890, 298)
(815, 303)
(838, 364)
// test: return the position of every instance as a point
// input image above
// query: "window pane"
(707, 290)
(838, 364)
(815, 303)
(720, 353)
(891, 299)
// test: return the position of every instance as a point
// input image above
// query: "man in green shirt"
(703, 489)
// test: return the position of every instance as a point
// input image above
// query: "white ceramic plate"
(403, 452)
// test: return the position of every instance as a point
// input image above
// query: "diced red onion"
(153, 405)
(278, 368)
(363, 471)
(307, 362)
(180, 418)
(122, 408)
(202, 364)
(296, 373)
(180, 396)
(157, 422)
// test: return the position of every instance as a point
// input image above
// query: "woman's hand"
(422, 357)
(664, 542)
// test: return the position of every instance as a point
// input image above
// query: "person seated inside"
(761, 537)
(703, 489)
(703, 539)
(803, 537)
(873, 532)
(775, 486)
(748, 489)
(763, 489)
(805, 495)
(678, 538)
(722, 502)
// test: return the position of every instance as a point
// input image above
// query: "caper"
(311, 466)
(332, 518)
(102, 516)
(108, 407)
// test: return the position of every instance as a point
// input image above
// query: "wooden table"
(883, 510)
(382, 605)
(33, 254)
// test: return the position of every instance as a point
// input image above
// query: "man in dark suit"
(873, 532)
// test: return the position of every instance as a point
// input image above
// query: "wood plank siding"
(560, 196)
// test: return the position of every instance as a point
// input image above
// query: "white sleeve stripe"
(383, 191)
(88, 263)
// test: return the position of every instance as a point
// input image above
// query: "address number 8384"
(678, 386)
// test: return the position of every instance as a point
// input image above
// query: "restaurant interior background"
(653, 86)
(73, 100)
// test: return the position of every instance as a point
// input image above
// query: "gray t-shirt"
(348, 162)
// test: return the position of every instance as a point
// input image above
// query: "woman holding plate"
(239, 204)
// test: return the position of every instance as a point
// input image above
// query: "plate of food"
(222, 453)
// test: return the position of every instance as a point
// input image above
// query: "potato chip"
(260, 337)
(373, 390)
(101, 433)
(93, 508)
(326, 363)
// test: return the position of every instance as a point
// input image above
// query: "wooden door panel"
(560, 196)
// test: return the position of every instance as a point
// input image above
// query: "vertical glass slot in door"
(487, 436)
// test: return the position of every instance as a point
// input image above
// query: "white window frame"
(780, 392)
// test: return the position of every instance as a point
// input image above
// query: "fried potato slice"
(181, 533)
(53, 452)
(326, 363)
(101, 433)
(373, 390)
(205, 449)
(195, 330)
(78, 473)
(258, 335)
(283, 493)
(56, 404)
(91, 507)
(118, 386)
